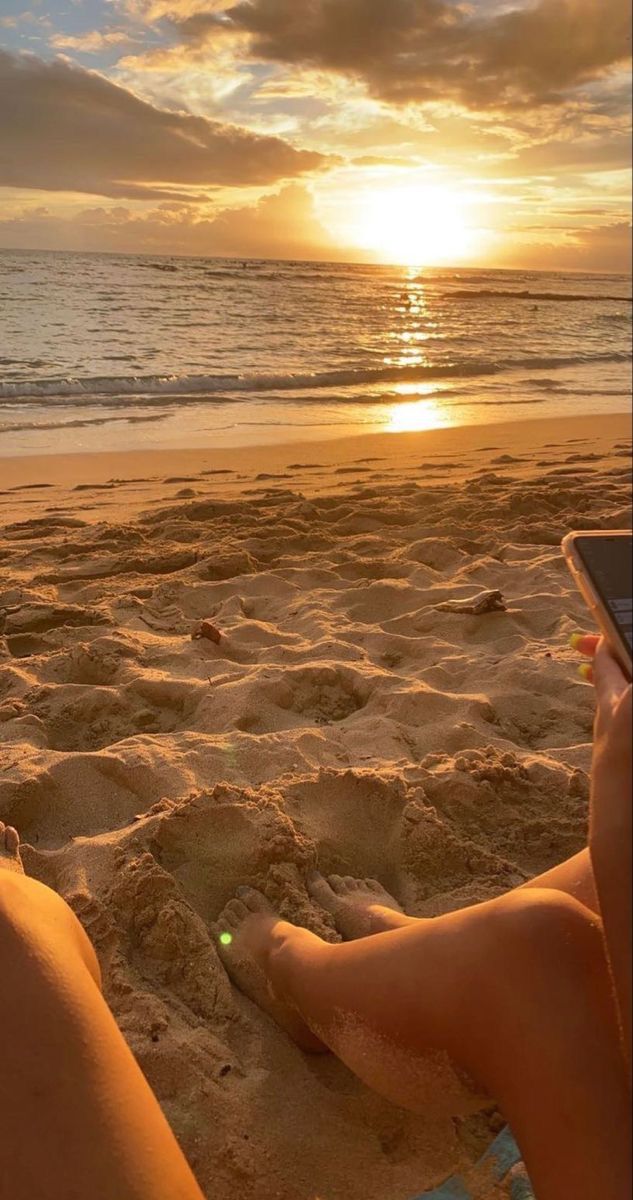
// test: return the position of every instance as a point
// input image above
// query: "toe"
(337, 884)
(253, 900)
(236, 911)
(375, 886)
(11, 839)
(226, 919)
(319, 888)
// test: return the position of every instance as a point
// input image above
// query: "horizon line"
(325, 262)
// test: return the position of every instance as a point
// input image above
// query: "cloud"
(582, 154)
(434, 50)
(282, 225)
(381, 160)
(91, 43)
(591, 248)
(605, 248)
(150, 11)
(67, 129)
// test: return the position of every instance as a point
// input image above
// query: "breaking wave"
(225, 388)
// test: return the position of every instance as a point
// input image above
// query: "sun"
(415, 225)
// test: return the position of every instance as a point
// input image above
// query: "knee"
(15, 892)
(34, 917)
(541, 931)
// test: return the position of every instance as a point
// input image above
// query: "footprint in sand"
(354, 819)
(39, 617)
(218, 839)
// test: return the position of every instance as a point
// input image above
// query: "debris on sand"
(206, 629)
(487, 602)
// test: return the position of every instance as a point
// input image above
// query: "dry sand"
(343, 720)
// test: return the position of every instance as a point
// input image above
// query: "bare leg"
(362, 907)
(515, 991)
(77, 1116)
(575, 877)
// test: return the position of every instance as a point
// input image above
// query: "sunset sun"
(416, 225)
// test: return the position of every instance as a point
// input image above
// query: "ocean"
(115, 352)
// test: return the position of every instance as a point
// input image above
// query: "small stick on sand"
(487, 602)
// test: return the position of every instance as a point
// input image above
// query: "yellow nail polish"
(586, 672)
(575, 640)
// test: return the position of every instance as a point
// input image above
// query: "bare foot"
(249, 936)
(10, 849)
(360, 907)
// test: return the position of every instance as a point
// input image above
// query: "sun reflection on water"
(416, 416)
(412, 326)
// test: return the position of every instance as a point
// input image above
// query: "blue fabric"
(504, 1154)
(504, 1157)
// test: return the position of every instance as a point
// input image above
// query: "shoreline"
(102, 467)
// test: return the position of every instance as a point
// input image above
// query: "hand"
(612, 758)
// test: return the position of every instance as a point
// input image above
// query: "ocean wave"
(565, 387)
(170, 268)
(566, 297)
(226, 387)
(78, 423)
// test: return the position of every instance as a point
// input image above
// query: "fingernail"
(586, 672)
(576, 640)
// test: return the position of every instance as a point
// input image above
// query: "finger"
(585, 643)
(611, 682)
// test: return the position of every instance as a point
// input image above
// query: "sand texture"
(346, 719)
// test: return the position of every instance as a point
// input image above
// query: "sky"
(430, 132)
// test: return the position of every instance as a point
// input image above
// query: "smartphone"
(602, 565)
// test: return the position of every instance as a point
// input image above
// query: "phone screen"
(609, 563)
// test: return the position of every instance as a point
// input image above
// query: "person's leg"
(77, 1118)
(515, 991)
(362, 907)
(574, 877)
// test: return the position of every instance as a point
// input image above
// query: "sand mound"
(342, 721)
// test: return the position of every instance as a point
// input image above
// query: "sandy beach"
(350, 715)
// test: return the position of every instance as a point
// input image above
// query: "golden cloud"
(428, 50)
(73, 130)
